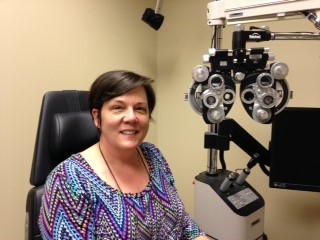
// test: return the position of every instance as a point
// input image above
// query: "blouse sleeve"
(190, 229)
(66, 210)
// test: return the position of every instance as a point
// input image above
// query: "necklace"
(112, 174)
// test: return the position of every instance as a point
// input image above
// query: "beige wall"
(182, 41)
(54, 45)
(58, 44)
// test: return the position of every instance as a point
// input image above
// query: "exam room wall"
(55, 45)
(182, 41)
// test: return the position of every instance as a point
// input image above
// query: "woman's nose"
(130, 115)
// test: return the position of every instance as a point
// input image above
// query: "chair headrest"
(64, 122)
(71, 132)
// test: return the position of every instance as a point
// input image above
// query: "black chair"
(65, 127)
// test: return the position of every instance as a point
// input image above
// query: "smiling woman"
(121, 187)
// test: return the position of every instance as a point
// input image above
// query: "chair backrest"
(65, 127)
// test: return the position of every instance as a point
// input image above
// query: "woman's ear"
(96, 117)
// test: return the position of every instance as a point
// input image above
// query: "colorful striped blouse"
(77, 204)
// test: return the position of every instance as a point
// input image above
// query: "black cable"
(222, 161)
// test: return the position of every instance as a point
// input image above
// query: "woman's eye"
(116, 108)
(141, 109)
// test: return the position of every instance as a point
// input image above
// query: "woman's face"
(124, 121)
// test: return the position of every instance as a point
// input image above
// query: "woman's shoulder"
(71, 161)
(69, 168)
(158, 162)
(147, 145)
(153, 154)
(151, 151)
(72, 173)
(150, 147)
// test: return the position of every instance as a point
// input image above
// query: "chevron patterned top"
(77, 204)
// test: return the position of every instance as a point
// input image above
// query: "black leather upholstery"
(70, 133)
(65, 127)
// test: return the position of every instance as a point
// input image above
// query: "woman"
(121, 187)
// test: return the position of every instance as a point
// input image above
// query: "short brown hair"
(118, 82)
